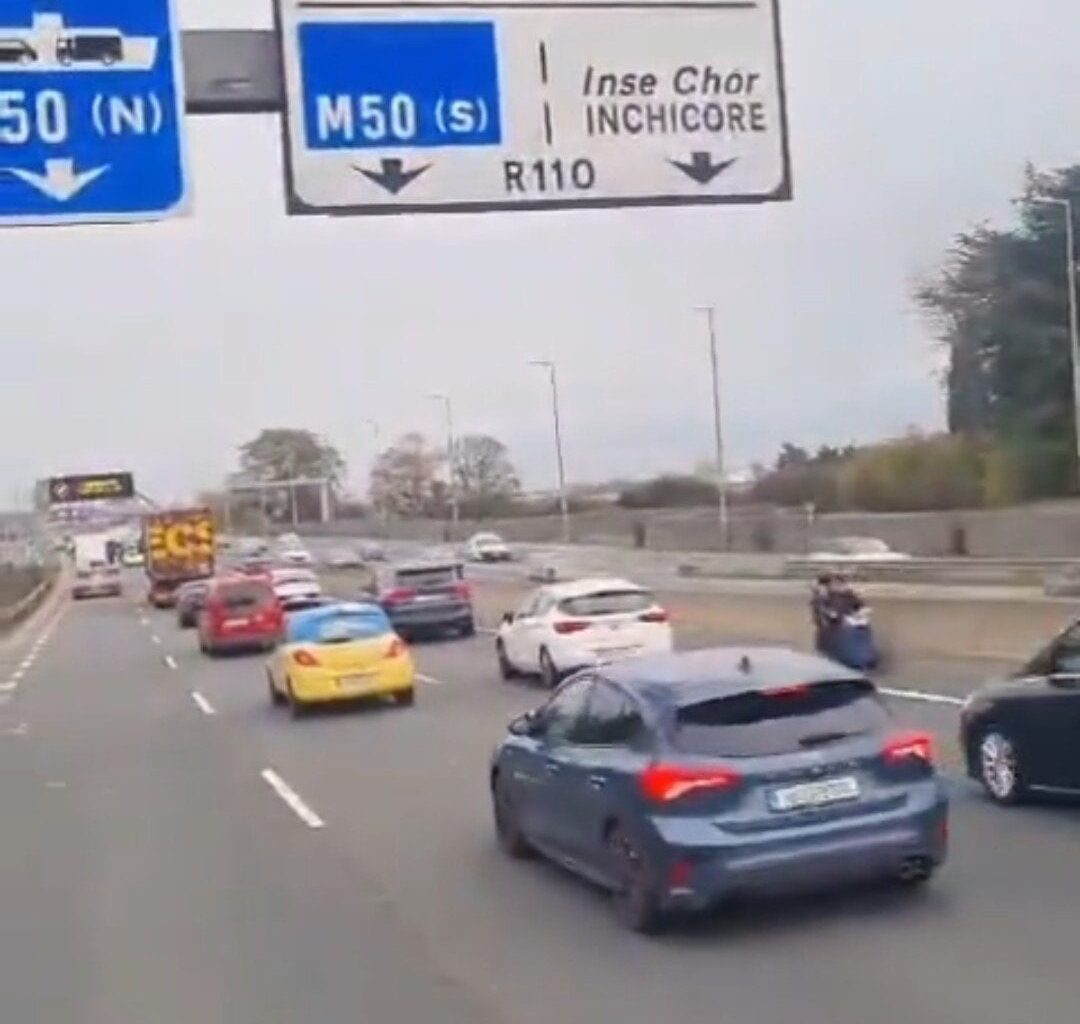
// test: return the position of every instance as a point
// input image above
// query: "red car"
(240, 613)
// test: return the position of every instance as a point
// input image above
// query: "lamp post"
(1066, 206)
(564, 505)
(718, 429)
(451, 454)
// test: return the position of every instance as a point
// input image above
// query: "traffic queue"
(674, 779)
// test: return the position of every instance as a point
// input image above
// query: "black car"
(190, 599)
(1023, 734)
(428, 597)
(17, 51)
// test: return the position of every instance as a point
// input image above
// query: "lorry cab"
(90, 48)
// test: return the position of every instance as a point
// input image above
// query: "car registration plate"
(354, 682)
(236, 623)
(814, 794)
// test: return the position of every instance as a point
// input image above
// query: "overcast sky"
(161, 348)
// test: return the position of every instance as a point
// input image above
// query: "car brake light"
(396, 648)
(398, 595)
(570, 626)
(657, 616)
(909, 746)
(463, 591)
(305, 658)
(797, 690)
(666, 782)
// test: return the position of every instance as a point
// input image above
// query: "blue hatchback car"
(681, 779)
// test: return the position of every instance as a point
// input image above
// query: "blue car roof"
(686, 677)
(304, 625)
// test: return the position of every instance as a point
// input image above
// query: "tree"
(485, 477)
(404, 477)
(286, 454)
(999, 305)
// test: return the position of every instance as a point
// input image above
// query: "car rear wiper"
(821, 739)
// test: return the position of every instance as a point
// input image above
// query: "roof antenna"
(744, 664)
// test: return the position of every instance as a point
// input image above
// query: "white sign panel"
(417, 106)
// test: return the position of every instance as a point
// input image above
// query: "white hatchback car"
(566, 626)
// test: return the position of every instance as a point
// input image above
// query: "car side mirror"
(529, 724)
(507, 618)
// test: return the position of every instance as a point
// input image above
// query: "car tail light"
(909, 746)
(796, 690)
(305, 658)
(463, 591)
(568, 626)
(398, 595)
(396, 648)
(656, 616)
(663, 783)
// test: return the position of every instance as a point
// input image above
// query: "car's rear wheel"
(506, 666)
(549, 674)
(634, 897)
(276, 697)
(999, 766)
(508, 831)
(297, 708)
(469, 629)
(405, 699)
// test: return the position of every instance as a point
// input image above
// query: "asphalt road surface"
(176, 850)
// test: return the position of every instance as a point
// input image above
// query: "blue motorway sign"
(91, 111)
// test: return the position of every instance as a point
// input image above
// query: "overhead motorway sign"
(424, 106)
(65, 489)
(91, 111)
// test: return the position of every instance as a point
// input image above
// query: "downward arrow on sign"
(60, 180)
(701, 168)
(392, 175)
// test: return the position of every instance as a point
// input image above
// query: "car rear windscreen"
(240, 597)
(608, 602)
(763, 722)
(429, 576)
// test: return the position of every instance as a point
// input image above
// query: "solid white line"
(929, 698)
(155, 639)
(430, 680)
(292, 799)
(171, 662)
(202, 703)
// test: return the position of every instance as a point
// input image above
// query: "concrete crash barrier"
(12, 613)
(916, 626)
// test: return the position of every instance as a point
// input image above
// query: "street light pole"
(1074, 316)
(721, 476)
(564, 505)
(451, 455)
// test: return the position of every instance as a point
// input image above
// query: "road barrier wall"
(22, 591)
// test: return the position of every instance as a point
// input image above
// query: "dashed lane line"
(202, 703)
(928, 698)
(171, 662)
(291, 799)
(430, 680)
(155, 639)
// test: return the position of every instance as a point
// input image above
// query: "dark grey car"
(677, 780)
(190, 599)
(429, 597)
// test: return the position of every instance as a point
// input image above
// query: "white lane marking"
(487, 631)
(292, 799)
(15, 730)
(143, 620)
(155, 639)
(430, 680)
(930, 698)
(171, 662)
(202, 703)
(10, 685)
(17, 675)
(26, 663)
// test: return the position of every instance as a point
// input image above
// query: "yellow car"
(336, 652)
